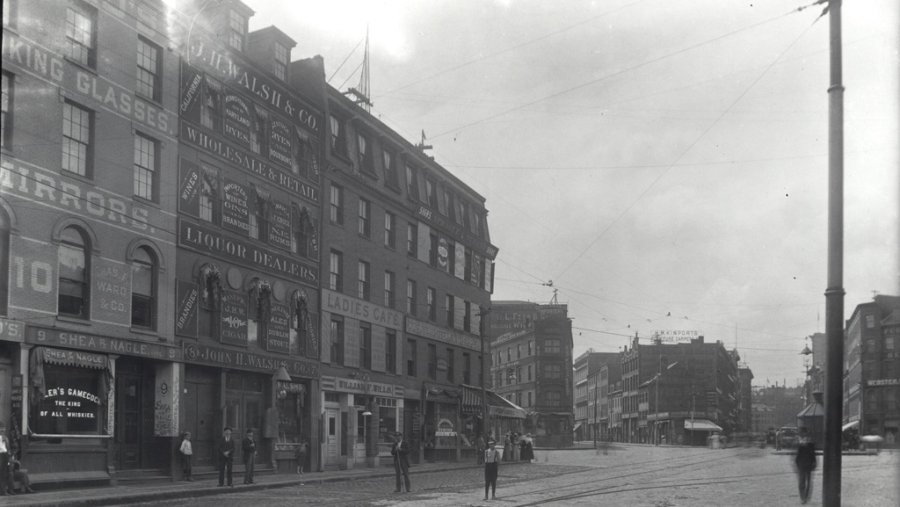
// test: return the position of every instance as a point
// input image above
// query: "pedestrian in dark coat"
(225, 453)
(806, 463)
(248, 451)
(479, 449)
(491, 468)
(400, 452)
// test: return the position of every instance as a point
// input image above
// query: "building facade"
(87, 188)
(872, 369)
(531, 365)
(587, 366)
(409, 269)
(775, 406)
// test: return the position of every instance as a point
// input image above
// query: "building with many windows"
(586, 395)
(87, 237)
(531, 366)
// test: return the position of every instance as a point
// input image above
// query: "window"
(431, 300)
(6, 114)
(530, 347)
(237, 29)
(210, 296)
(365, 209)
(530, 373)
(529, 398)
(210, 117)
(390, 239)
(143, 290)
(259, 217)
(467, 368)
(433, 250)
(552, 398)
(412, 183)
(432, 361)
(519, 374)
(467, 266)
(365, 346)
(552, 346)
(467, 316)
(430, 198)
(85, 415)
(5, 227)
(145, 168)
(508, 355)
(80, 34)
(552, 371)
(336, 261)
(364, 280)
(518, 351)
(364, 154)
(411, 238)
(449, 307)
(77, 139)
(303, 232)
(519, 398)
(336, 208)
(336, 355)
(258, 131)
(390, 172)
(390, 351)
(9, 12)
(411, 357)
(451, 365)
(259, 305)
(148, 69)
(338, 136)
(444, 201)
(389, 289)
(209, 194)
(74, 274)
(411, 297)
(281, 61)
(476, 224)
(460, 212)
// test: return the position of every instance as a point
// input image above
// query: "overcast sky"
(663, 163)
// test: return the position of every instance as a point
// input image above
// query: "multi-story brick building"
(585, 376)
(531, 354)
(601, 385)
(87, 237)
(775, 406)
(410, 265)
(872, 363)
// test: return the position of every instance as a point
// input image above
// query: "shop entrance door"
(244, 410)
(131, 428)
(332, 437)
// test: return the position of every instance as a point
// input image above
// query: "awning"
(849, 425)
(497, 405)
(578, 425)
(701, 425)
(64, 357)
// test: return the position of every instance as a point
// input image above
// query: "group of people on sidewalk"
(13, 478)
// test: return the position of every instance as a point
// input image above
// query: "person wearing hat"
(491, 464)
(5, 451)
(400, 452)
(226, 456)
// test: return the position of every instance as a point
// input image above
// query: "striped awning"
(75, 358)
(701, 425)
(498, 406)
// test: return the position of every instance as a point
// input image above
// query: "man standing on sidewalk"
(225, 453)
(248, 447)
(5, 484)
(400, 452)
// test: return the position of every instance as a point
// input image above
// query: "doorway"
(244, 407)
(332, 436)
(134, 414)
(201, 401)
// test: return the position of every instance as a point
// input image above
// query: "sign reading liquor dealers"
(241, 359)
(234, 318)
(675, 335)
(236, 207)
(187, 298)
(337, 303)
(278, 337)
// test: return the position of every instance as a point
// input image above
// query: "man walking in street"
(400, 452)
(806, 463)
(491, 465)
(225, 453)
(248, 449)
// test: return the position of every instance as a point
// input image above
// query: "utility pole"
(483, 312)
(834, 294)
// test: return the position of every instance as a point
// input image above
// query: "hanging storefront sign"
(187, 295)
(102, 344)
(234, 318)
(189, 190)
(241, 359)
(278, 338)
(237, 121)
(280, 225)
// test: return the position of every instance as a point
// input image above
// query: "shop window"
(74, 274)
(293, 416)
(70, 399)
(210, 300)
(143, 289)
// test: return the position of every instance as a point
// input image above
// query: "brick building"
(587, 367)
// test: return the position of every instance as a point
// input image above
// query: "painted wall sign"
(39, 185)
(278, 337)
(32, 275)
(63, 402)
(675, 335)
(352, 385)
(359, 309)
(440, 334)
(236, 207)
(189, 190)
(443, 254)
(241, 359)
(234, 318)
(32, 58)
(237, 121)
(884, 382)
(280, 149)
(207, 240)
(187, 297)
(110, 291)
(12, 330)
(209, 57)
(191, 88)
(250, 163)
(102, 344)
(280, 224)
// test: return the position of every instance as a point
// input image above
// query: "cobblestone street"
(636, 476)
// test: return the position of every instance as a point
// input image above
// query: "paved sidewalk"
(117, 495)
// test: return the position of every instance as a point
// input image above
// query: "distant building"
(531, 350)
(872, 366)
(744, 421)
(775, 406)
(586, 369)
(601, 386)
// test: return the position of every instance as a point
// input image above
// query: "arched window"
(259, 222)
(74, 274)
(210, 300)
(303, 233)
(5, 226)
(143, 289)
(260, 306)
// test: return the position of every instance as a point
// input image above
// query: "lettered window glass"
(74, 274)
(80, 26)
(145, 169)
(77, 133)
(143, 300)
(209, 194)
(72, 403)
(148, 69)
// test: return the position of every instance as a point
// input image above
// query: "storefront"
(503, 415)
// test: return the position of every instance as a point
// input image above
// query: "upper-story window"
(77, 142)
(143, 288)
(444, 201)
(389, 289)
(259, 131)
(411, 304)
(552, 346)
(74, 274)
(431, 302)
(390, 170)
(303, 232)
(336, 269)
(210, 116)
(338, 136)
(145, 167)
(411, 239)
(430, 197)
(209, 195)
(460, 212)
(148, 69)
(476, 223)
(282, 56)
(364, 280)
(7, 110)
(364, 153)
(365, 212)
(210, 300)
(259, 217)
(412, 183)
(81, 34)
(336, 205)
(5, 227)
(390, 239)
(237, 30)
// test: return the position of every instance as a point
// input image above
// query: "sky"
(654, 165)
